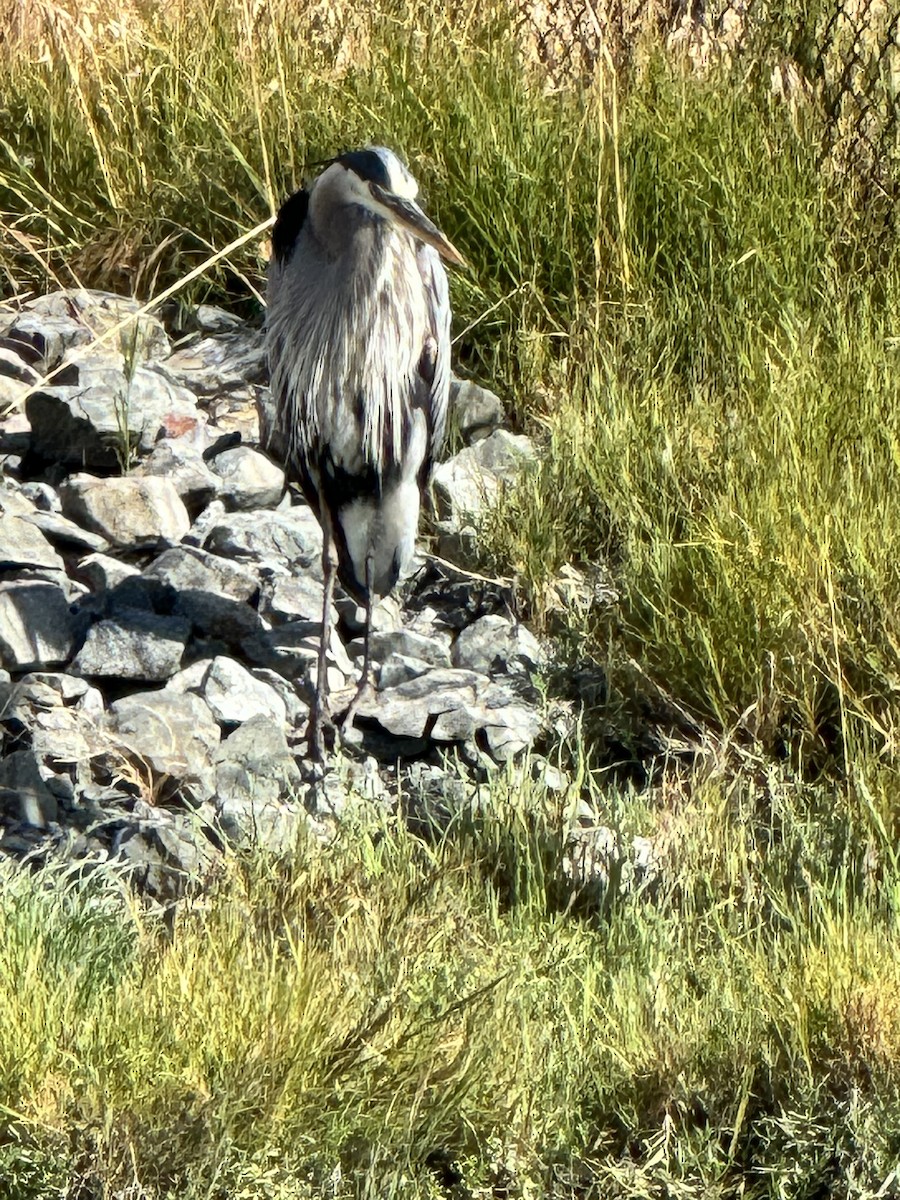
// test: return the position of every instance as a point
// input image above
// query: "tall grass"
(392, 1016)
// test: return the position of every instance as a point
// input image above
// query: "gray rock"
(206, 521)
(25, 549)
(495, 645)
(174, 735)
(235, 696)
(450, 705)
(62, 737)
(249, 480)
(180, 460)
(168, 854)
(37, 629)
(214, 321)
(474, 410)
(104, 573)
(106, 416)
(598, 859)
(53, 687)
(470, 481)
(349, 785)
(286, 542)
(223, 365)
(386, 615)
(400, 668)
(44, 497)
(211, 591)
(405, 649)
(48, 336)
(297, 708)
(258, 787)
(12, 391)
(134, 644)
(61, 531)
(433, 797)
(434, 650)
(190, 569)
(190, 678)
(23, 787)
(128, 511)
(294, 598)
(97, 312)
(292, 651)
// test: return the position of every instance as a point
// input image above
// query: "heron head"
(377, 180)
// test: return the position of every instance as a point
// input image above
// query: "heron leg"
(361, 690)
(320, 715)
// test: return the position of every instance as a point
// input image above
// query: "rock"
(297, 709)
(249, 480)
(52, 687)
(36, 706)
(211, 591)
(287, 542)
(168, 853)
(292, 650)
(258, 787)
(44, 497)
(172, 734)
(104, 573)
(105, 417)
(474, 410)
(22, 785)
(433, 650)
(227, 372)
(96, 312)
(450, 705)
(129, 511)
(189, 569)
(180, 460)
(597, 859)
(25, 550)
(43, 339)
(433, 798)
(494, 645)
(37, 629)
(386, 615)
(134, 644)
(470, 481)
(212, 320)
(61, 531)
(235, 696)
(294, 598)
(347, 786)
(400, 668)
(388, 643)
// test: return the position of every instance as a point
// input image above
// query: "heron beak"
(408, 214)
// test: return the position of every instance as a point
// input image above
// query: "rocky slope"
(160, 604)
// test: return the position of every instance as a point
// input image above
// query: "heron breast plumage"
(358, 334)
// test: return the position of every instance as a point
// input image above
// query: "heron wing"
(434, 365)
(288, 224)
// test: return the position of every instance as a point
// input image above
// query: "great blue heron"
(359, 355)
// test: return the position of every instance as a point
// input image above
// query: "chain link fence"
(839, 58)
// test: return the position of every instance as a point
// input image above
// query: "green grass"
(702, 324)
(364, 1015)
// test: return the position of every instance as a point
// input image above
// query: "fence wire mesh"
(840, 58)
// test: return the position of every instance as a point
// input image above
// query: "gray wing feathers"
(437, 293)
